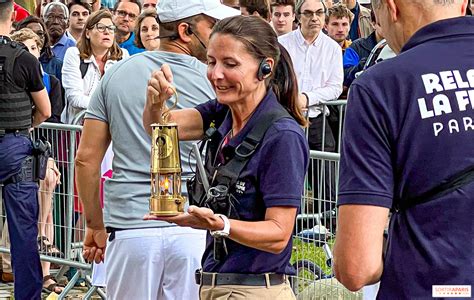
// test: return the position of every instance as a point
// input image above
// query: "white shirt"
(318, 67)
(79, 90)
(69, 35)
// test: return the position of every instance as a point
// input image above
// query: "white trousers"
(155, 263)
(370, 291)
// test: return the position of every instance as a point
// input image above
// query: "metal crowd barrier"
(315, 227)
(337, 109)
(314, 230)
(62, 227)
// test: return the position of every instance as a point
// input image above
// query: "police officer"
(21, 88)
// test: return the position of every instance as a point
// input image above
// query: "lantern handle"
(165, 115)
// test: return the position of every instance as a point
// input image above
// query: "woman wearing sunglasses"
(84, 65)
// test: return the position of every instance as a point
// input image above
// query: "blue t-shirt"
(274, 176)
(129, 44)
(409, 127)
(350, 58)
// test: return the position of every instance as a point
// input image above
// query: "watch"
(224, 232)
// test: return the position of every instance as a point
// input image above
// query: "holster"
(41, 153)
(33, 167)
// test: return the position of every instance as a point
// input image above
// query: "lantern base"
(166, 206)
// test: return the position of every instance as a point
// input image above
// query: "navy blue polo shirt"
(274, 176)
(409, 127)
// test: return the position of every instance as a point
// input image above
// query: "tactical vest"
(15, 103)
(223, 177)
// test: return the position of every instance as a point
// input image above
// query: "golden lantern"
(166, 199)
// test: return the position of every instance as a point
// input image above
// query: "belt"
(17, 131)
(268, 279)
(113, 230)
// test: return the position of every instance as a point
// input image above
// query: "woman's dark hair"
(145, 14)
(46, 50)
(84, 44)
(261, 42)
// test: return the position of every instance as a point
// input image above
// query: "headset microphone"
(189, 31)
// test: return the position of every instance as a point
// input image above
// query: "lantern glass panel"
(166, 184)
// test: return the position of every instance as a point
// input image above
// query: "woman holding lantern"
(257, 121)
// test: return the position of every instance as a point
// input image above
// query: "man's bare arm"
(359, 245)
(42, 107)
(95, 140)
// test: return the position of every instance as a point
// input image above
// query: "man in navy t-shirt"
(410, 129)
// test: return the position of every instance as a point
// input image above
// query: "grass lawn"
(309, 251)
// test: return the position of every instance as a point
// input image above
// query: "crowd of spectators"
(61, 24)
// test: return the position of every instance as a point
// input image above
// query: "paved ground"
(6, 292)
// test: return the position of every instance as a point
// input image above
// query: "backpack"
(83, 67)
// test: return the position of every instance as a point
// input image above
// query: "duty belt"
(26, 173)
(4, 132)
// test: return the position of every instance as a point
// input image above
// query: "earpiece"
(189, 31)
(264, 69)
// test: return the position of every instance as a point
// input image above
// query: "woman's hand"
(54, 168)
(196, 217)
(159, 87)
(303, 102)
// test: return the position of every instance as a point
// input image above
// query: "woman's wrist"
(217, 223)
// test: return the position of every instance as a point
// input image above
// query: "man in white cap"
(145, 259)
